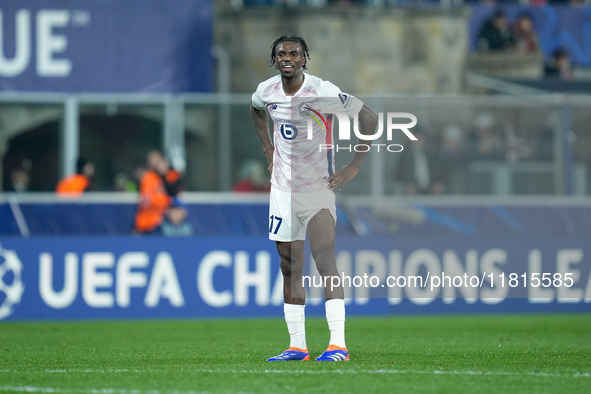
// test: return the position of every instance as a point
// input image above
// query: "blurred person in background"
(172, 179)
(20, 178)
(495, 34)
(79, 182)
(19, 181)
(484, 144)
(559, 67)
(122, 183)
(543, 143)
(153, 198)
(419, 169)
(526, 39)
(252, 178)
(516, 144)
(452, 159)
(175, 222)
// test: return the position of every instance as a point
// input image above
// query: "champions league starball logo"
(11, 283)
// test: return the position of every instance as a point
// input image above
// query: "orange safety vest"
(153, 202)
(73, 185)
(172, 176)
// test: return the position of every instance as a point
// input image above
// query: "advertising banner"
(106, 46)
(117, 278)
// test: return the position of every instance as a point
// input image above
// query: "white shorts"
(290, 213)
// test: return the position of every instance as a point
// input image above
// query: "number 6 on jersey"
(279, 221)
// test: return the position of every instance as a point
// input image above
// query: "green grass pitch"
(436, 354)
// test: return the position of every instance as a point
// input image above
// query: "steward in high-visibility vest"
(153, 198)
(76, 184)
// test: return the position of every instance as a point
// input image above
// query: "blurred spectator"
(495, 34)
(419, 169)
(451, 142)
(172, 180)
(524, 33)
(452, 159)
(78, 183)
(544, 142)
(516, 146)
(122, 183)
(252, 178)
(175, 222)
(559, 66)
(153, 199)
(19, 181)
(484, 143)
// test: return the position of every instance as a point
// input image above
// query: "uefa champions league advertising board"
(106, 278)
(106, 46)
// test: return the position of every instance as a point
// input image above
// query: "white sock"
(295, 318)
(335, 316)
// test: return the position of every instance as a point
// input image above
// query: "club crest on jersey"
(304, 108)
(288, 131)
(344, 98)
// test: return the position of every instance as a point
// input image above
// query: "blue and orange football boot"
(334, 353)
(292, 354)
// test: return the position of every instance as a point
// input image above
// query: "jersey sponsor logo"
(288, 131)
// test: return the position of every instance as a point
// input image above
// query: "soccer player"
(303, 183)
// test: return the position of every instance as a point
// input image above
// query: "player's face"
(289, 58)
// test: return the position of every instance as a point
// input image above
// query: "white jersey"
(301, 164)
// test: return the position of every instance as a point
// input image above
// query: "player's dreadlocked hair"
(297, 39)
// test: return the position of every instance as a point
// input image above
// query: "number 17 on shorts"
(275, 224)
(280, 216)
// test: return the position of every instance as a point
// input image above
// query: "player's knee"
(290, 267)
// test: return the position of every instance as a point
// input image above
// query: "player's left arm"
(368, 121)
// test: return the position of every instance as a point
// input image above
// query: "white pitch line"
(397, 371)
(329, 371)
(92, 370)
(32, 389)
